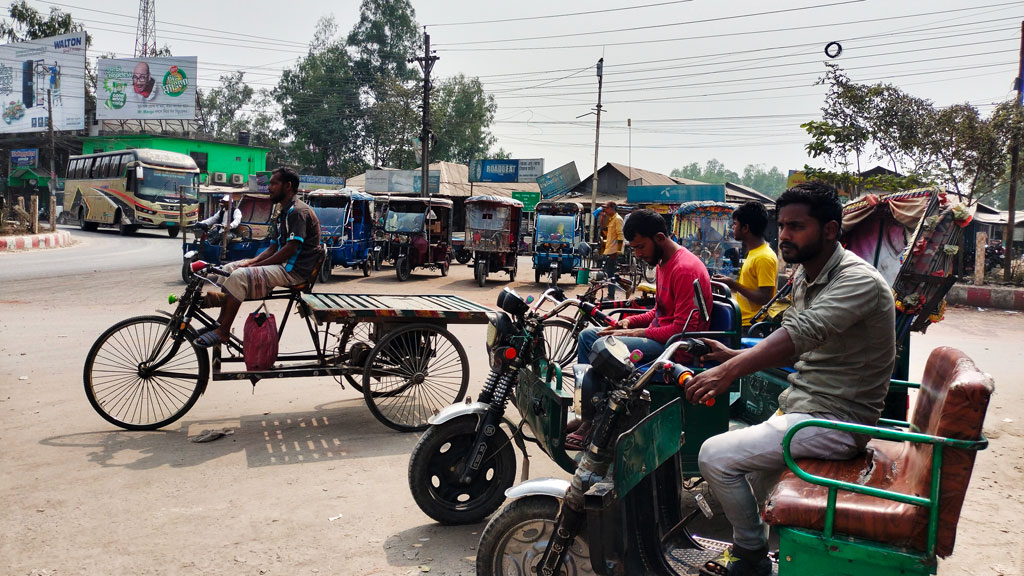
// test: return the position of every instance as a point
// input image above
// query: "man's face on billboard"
(141, 80)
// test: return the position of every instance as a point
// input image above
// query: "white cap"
(225, 198)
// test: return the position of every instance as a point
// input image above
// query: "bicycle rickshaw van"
(492, 235)
(346, 228)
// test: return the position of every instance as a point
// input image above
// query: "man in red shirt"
(647, 235)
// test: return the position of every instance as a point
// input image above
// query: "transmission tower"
(145, 34)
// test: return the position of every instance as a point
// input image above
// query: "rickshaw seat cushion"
(951, 403)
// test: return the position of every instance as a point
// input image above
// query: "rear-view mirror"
(138, 172)
(699, 302)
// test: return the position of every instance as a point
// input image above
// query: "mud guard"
(553, 487)
(455, 410)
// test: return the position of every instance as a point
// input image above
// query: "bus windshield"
(161, 185)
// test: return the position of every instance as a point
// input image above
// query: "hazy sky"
(700, 79)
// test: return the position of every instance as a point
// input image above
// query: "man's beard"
(659, 253)
(803, 254)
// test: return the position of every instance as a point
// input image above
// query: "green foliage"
(766, 181)
(881, 183)
(28, 24)
(462, 117)
(222, 105)
(965, 150)
(320, 106)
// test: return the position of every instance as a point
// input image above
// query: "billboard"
(29, 70)
(675, 194)
(559, 181)
(310, 182)
(506, 170)
(400, 181)
(25, 157)
(146, 88)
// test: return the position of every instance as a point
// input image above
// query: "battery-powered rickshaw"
(346, 228)
(705, 229)
(419, 234)
(250, 238)
(492, 235)
(557, 239)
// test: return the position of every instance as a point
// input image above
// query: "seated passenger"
(841, 330)
(758, 277)
(219, 221)
(290, 259)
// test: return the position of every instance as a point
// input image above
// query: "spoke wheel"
(360, 333)
(129, 395)
(515, 539)
(438, 461)
(403, 268)
(412, 373)
(561, 346)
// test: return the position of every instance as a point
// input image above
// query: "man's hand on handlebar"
(708, 384)
(719, 352)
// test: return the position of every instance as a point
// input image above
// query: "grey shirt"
(843, 327)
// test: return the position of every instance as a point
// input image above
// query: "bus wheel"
(122, 228)
(173, 231)
(86, 226)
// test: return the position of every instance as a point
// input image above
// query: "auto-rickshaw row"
(362, 231)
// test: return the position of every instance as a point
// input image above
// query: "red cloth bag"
(259, 341)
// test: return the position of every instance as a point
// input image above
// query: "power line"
(525, 18)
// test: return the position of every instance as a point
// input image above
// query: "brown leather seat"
(952, 402)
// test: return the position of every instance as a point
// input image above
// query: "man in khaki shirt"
(840, 330)
(614, 241)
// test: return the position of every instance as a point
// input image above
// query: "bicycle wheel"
(360, 334)
(561, 345)
(129, 394)
(412, 373)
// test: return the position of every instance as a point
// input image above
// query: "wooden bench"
(898, 503)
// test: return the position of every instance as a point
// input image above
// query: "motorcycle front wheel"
(437, 463)
(514, 541)
(128, 394)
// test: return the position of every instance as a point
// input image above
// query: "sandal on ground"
(207, 339)
(730, 565)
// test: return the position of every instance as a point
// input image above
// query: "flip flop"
(575, 443)
(207, 339)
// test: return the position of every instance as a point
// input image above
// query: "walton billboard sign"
(31, 70)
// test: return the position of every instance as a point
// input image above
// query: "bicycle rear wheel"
(412, 373)
(129, 393)
(561, 345)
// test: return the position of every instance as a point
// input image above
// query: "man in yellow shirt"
(759, 274)
(614, 241)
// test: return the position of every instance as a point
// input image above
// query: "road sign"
(559, 180)
(505, 170)
(675, 194)
(529, 200)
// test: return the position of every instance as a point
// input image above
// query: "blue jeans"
(650, 348)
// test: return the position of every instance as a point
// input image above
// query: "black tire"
(412, 373)
(561, 348)
(555, 273)
(122, 228)
(132, 401)
(173, 231)
(326, 269)
(536, 277)
(378, 260)
(480, 273)
(366, 267)
(82, 224)
(403, 268)
(437, 462)
(516, 538)
(463, 256)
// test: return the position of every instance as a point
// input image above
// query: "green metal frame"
(931, 502)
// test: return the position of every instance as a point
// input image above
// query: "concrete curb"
(35, 241)
(998, 297)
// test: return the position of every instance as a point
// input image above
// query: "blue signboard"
(675, 194)
(27, 157)
(559, 181)
(505, 170)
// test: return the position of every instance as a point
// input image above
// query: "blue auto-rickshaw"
(346, 228)
(250, 238)
(705, 229)
(557, 237)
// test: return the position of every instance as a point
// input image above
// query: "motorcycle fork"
(488, 426)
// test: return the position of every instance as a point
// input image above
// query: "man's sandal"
(207, 339)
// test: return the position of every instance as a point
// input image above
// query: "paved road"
(83, 497)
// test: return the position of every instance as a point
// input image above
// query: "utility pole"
(426, 63)
(53, 148)
(597, 146)
(1014, 171)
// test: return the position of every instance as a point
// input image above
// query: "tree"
(965, 149)
(320, 106)
(462, 116)
(842, 131)
(28, 24)
(771, 182)
(221, 107)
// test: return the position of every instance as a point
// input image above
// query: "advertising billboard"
(506, 170)
(559, 181)
(146, 88)
(400, 181)
(30, 70)
(25, 157)
(675, 194)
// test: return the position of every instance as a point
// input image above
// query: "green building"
(221, 163)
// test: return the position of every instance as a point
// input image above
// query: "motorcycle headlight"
(498, 326)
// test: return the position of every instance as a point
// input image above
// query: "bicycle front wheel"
(128, 389)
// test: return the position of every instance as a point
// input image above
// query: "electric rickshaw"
(705, 229)
(346, 228)
(419, 234)
(492, 234)
(250, 238)
(558, 233)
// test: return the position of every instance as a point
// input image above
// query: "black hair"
(644, 222)
(753, 215)
(287, 175)
(821, 198)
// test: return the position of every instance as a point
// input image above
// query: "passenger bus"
(132, 189)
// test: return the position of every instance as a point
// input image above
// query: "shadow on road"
(437, 545)
(337, 431)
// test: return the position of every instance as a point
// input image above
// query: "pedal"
(703, 505)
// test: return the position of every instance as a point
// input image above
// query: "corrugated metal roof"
(455, 183)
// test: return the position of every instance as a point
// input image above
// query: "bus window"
(125, 159)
